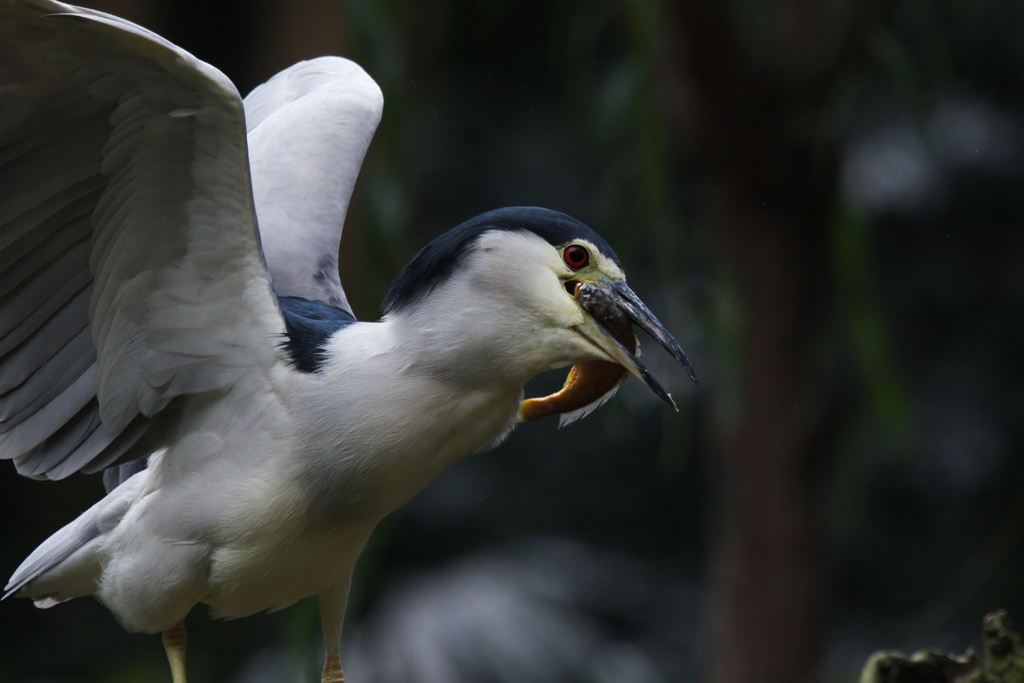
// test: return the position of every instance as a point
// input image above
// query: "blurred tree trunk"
(287, 33)
(755, 83)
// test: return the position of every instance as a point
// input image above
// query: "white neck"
(439, 379)
(407, 416)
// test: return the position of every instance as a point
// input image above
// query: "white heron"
(252, 433)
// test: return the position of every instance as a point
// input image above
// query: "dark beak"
(642, 316)
(607, 303)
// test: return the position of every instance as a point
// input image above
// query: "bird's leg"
(175, 640)
(332, 669)
(332, 616)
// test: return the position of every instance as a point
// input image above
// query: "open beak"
(611, 310)
(607, 304)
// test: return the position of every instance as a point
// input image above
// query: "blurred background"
(823, 200)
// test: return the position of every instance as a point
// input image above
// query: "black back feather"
(309, 324)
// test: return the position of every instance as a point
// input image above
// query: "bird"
(172, 315)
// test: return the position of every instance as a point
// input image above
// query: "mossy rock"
(1004, 661)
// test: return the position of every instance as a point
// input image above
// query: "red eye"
(576, 256)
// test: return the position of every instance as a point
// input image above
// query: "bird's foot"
(332, 669)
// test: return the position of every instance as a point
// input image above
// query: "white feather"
(271, 480)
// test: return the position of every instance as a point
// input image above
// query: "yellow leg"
(332, 669)
(175, 640)
(332, 614)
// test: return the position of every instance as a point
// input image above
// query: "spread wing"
(130, 266)
(309, 128)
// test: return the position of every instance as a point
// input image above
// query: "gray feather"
(101, 449)
(130, 271)
(56, 447)
(48, 382)
(18, 364)
(119, 474)
(325, 112)
(45, 291)
(58, 413)
(97, 520)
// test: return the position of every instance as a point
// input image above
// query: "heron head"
(547, 291)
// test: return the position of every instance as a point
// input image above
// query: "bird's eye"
(576, 256)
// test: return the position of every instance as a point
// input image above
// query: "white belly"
(250, 511)
(245, 579)
(246, 550)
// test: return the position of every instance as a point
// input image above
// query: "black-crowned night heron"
(143, 314)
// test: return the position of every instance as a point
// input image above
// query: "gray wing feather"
(97, 520)
(309, 128)
(48, 381)
(130, 270)
(52, 450)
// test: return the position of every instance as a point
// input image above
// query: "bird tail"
(67, 564)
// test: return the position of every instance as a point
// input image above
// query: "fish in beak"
(612, 308)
